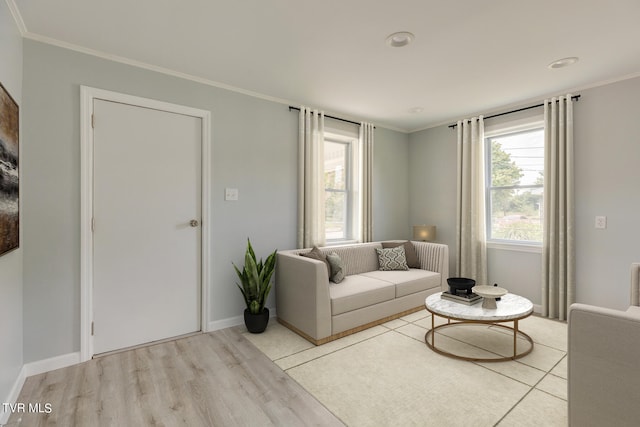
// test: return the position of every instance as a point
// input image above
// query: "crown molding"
(598, 84)
(17, 17)
(170, 72)
(150, 67)
(538, 99)
(22, 28)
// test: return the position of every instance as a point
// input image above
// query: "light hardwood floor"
(213, 379)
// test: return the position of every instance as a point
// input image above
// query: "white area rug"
(387, 376)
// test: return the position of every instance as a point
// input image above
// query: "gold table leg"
(515, 329)
(515, 336)
(433, 335)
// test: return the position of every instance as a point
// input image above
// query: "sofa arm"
(302, 294)
(635, 284)
(434, 257)
(603, 374)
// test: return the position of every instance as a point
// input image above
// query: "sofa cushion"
(392, 259)
(357, 259)
(409, 252)
(315, 253)
(408, 282)
(358, 291)
(337, 267)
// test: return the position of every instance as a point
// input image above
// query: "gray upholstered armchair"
(604, 363)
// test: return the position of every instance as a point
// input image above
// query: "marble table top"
(510, 307)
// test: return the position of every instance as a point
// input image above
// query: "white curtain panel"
(471, 260)
(558, 250)
(366, 138)
(311, 179)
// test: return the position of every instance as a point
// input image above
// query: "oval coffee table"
(511, 308)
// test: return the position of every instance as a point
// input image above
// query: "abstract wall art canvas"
(9, 177)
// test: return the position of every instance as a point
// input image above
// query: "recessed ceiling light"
(400, 39)
(416, 110)
(564, 62)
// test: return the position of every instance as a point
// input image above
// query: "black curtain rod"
(574, 97)
(330, 117)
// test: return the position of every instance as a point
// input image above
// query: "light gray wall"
(607, 149)
(432, 184)
(254, 150)
(390, 185)
(11, 330)
(607, 155)
(519, 272)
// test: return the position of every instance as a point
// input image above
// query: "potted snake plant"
(255, 285)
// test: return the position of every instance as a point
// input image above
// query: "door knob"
(193, 223)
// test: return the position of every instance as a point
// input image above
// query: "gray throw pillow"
(337, 267)
(315, 253)
(392, 259)
(409, 251)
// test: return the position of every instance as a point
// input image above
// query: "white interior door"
(146, 251)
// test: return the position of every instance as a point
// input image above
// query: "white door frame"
(87, 96)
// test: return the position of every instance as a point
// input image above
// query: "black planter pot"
(256, 323)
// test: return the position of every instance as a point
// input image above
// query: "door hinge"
(91, 328)
(93, 224)
(93, 122)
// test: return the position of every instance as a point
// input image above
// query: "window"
(515, 186)
(341, 188)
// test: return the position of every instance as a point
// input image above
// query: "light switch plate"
(231, 194)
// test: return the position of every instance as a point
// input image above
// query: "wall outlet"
(231, 194)
(601, 222)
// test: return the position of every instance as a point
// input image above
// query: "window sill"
(517, 247)
(341, 242)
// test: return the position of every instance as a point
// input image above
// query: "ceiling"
(467, 57)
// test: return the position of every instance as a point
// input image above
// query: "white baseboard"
(35, 368)
(51, 364)
(13, 396)
(233, 321)
(215, 325)
(537, 308)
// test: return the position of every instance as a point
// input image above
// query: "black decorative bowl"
(460, 284)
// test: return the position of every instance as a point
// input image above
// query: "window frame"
(348, 168)
(497, 131)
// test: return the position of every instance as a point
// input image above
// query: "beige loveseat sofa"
(603, 357)
(321, 311)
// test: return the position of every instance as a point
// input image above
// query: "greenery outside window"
(341, 183)
(515, 186)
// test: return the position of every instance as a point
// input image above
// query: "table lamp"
(425, 233)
